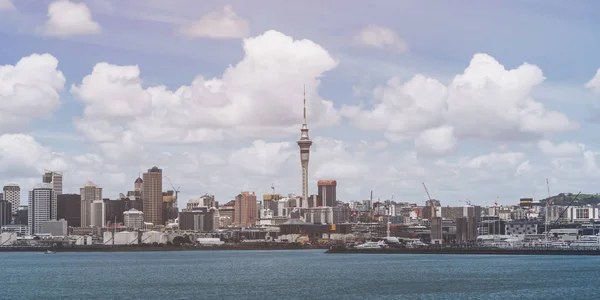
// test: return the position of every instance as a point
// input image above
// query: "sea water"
(294, 274)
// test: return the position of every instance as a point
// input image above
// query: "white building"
(12, 194)
(89, 193)
(54, 227)
(98, 213)
(40, 208)
(318, 215)
(133, 218)
(581, 213)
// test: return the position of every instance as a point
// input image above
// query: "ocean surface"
(294, 274)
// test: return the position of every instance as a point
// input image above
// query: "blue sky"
(481, 151)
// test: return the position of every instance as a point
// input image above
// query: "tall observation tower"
(304, 144)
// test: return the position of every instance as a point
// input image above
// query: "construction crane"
(175, 190)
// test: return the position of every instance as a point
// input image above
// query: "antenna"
(546, 214)
(305, 104)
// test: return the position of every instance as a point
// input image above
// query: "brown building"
(245, 209)
(466, 229)
(198, 219)
(326, 195)
(69, 208)
(153, 196)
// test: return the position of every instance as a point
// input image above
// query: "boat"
(371, 245)
(50, 252)
(586, 242)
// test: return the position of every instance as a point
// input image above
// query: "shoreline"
(463, 251)
(135, 248)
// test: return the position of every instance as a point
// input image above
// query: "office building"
(40, 208)
(98, 213)
(5, 213)
(89, 193)
(245, 209)
(133, 218)
(55, 179)
(153, 196)
(12, 194)
(326, 196)
(69, 209)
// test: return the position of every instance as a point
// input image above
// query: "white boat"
(50, 252)
(371, 245)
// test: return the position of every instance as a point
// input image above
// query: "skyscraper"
(40, 208)
(56, 179)
(153, 197)
(69, 208)
(304, 143)
(5, 212)
(245, 209)
(327, 189)
(12, 194)
(89, 193)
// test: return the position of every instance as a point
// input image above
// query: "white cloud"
(66, 18)
(218, 24)
(380, 37)
(565, 149)
(23, 156)
(28, 90)
(436, 141)
(255, 98)
(6, 5)
(485, 102)
(594, 83)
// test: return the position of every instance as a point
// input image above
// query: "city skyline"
(394, 100)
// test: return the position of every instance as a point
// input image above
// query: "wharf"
(145, 248)
(463, 251)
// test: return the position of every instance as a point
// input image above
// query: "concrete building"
(133, 218)
(138, 185)
(304, 144)
(200, 218)
(89, 193)
(245, 209)
(69, 208)
(153, 196)
(40, 208)
(5, 212)
(12, 194)
(318, 215)
(98, 213)
(521, 228)
(466, 229)
(55, 179)
(114, 211)
(326, 196)
(54, 227)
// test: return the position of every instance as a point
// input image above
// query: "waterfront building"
(153, 196)
(40, 208)
(98, 213)
(245, 209)
(89, 193)
(133, 218)
(12, 194)
(5, 212)
(200, 218)
(304, 144)
(327, 195)
(69, 208)
(54, 227)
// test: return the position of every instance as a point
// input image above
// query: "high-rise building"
(89, 193)
(40, 208)
(133, 218)
(5, 212)
(98, 213)
(69, 208)
(153, 196)
(304, 143)
(55, 179)
(138, 185)
(326, 195)
(245, 209)
(12, 194)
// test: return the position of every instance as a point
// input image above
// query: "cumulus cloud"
(6, 5)
(437, 141)
(224, 24)
(486, 101)
(564, 149)
(376, 36)
(254, 98)
(594, 83)
(28, 90)
(66, 18)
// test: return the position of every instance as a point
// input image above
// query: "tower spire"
(305, 104)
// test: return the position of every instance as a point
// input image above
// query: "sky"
(478, 100)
